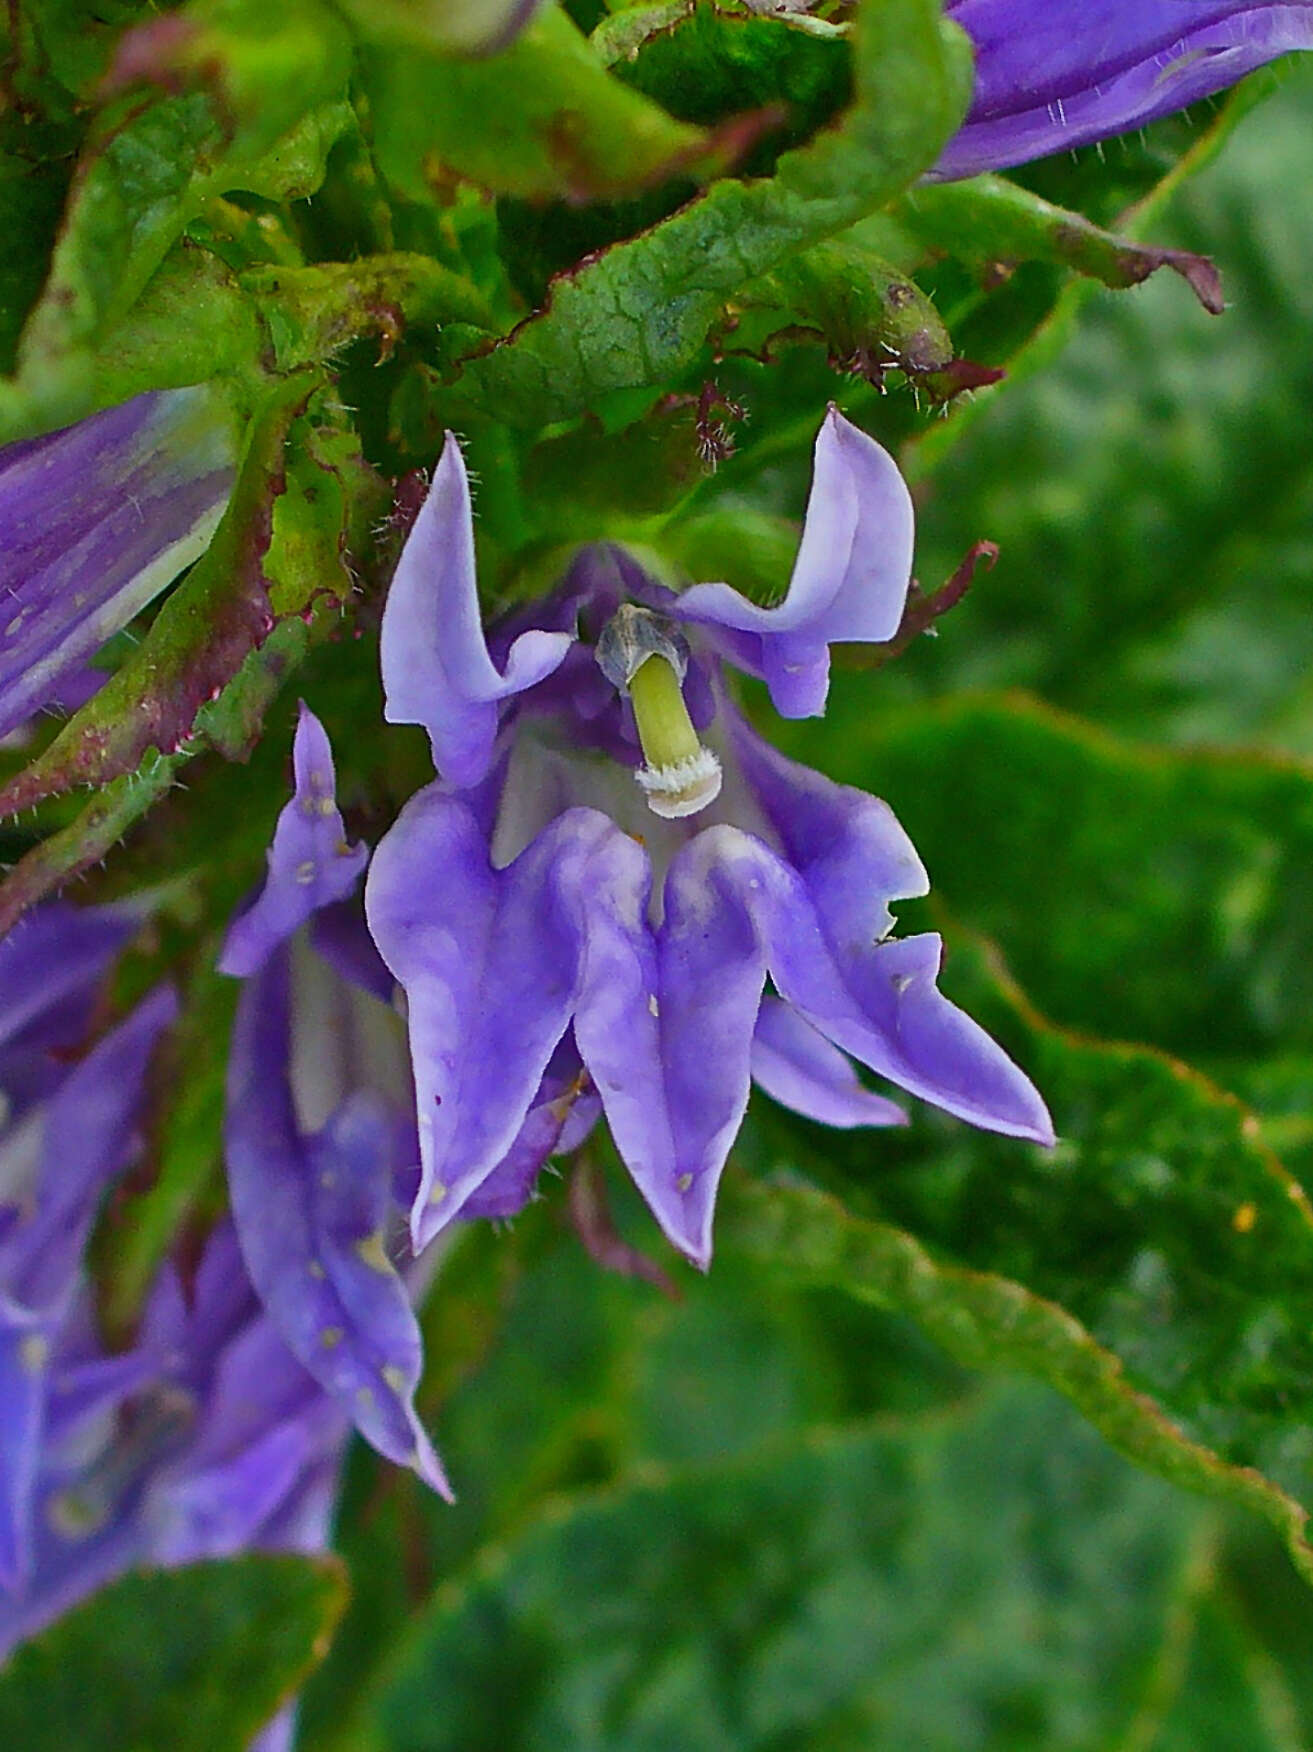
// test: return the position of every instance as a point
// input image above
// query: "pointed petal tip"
(688, 1227)
(428, 1218)
(430, 1470)
(1029, 1124)
(1044, 1134)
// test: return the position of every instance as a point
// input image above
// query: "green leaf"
(66, 853)
(1226, 1695)
(1157, 1266)
(640, 312)
(1028, 323)
(548, 1374)
(708, 65)
(192, 323)
(150, 163)
(187, 1660)
(1154, 572)
(459, 26)
(993, 223)
(313, 312)
(1000, 1582)
(542, 119)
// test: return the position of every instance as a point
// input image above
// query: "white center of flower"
(680, 776)
(646, 657)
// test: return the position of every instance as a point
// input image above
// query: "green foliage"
(150, 163)
(830, 1595)
(189, 1660)
(642, 310)
(543, 119)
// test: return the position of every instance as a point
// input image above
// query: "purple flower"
(205, 1440)
(66, 1130)
(565, 934)
(95, 521)
(1052, 74)
(311, 862)
(320, 1129)
(207, 1437)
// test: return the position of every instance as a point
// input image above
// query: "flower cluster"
(616, 904)
(205, 1436)
(616, 901)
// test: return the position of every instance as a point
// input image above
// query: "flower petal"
(311, 864)
(1057, 75)
(676, 1089)
(490, 961)
(25, 1343)
(630, 1024)
(263, 1430)
(796, 1066)
(436, 667)
(340, 935)
(87, 1135)
(855, 853)
(311, 1217)
(562, 1115)
(94, 522)
(849, 581)
(878, 1001)
(53, 952)
(849, 857)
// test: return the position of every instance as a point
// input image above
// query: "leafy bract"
(993, 223)
(640, 312)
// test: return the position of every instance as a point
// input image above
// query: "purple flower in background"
(95, 521)
(66, 1130)
(320, 1133)
(589, 902)
(206, 1439)
(311, 862)
(1052, 74)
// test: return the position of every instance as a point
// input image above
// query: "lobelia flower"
(320, 1137)
(1053, 74)
(205, 1440)
(95, 521)
(564, 934)
(67, 1128)
(207, 1437)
